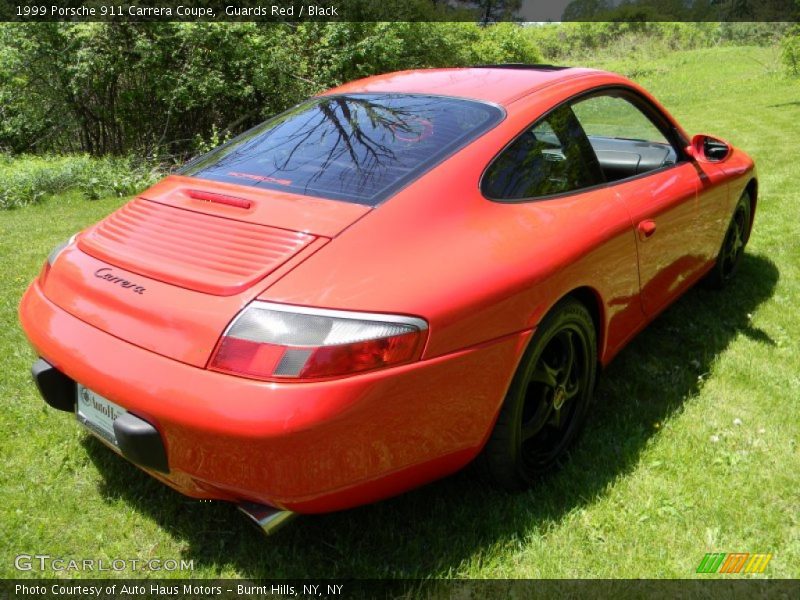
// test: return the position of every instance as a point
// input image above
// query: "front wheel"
(547, 402)
(732, 250)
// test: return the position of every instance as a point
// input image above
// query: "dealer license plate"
(97, 414)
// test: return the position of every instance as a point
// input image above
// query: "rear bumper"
(138, 441)
(305, 447)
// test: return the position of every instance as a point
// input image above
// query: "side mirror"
(705, 148)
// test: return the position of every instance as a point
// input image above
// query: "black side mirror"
(705, 148)
(715, 149)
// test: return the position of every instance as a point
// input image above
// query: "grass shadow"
(784, 104)
(431, 532)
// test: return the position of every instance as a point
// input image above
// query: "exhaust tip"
(266, 518)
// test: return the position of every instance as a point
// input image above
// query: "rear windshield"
(359, 148)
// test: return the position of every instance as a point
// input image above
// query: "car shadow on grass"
(432, 531)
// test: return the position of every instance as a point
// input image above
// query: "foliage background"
(164, 90)
(106, 108)
(120, 103)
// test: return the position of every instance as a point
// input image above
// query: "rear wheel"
(547, 402)
(732, 250)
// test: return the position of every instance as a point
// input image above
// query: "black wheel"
(547, 402)
(732, 250)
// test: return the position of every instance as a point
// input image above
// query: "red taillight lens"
(329, 361)
(247, 358)
(278, 342)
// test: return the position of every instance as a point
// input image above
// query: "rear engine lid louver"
(201, 252)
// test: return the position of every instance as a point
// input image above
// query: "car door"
(642, 159)
(567, 223)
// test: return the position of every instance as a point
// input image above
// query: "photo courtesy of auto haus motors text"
(168, 590)
(379, 299)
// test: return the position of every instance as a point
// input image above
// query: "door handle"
(646, 229)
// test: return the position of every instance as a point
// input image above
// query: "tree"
(491, 11)
(586, 10)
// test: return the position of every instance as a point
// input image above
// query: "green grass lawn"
(692, 448)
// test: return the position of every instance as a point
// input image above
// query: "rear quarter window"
(358, 148)
(551, 157)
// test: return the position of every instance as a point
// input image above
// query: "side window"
(625, 141)
(552, 157)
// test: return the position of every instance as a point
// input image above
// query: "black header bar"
(297, 11)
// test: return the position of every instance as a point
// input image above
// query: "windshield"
(359, 148)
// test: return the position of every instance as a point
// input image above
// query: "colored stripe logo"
(733, 562)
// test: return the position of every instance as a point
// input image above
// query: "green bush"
(171, 89)
(752, 34)
(27, 179)
(502, 43)
(168, 88)
(621, 39)
(790, 52)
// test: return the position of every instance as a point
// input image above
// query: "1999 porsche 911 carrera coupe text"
(385, 283)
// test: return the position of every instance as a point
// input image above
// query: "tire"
(730, 254)
(547, 402)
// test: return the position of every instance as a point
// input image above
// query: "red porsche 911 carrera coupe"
(387, 282)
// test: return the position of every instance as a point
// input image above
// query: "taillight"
(53, 256)
(282, 342)
(55, 252)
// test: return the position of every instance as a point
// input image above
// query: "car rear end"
(155, 327)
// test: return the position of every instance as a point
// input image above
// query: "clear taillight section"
(282, 342)
(53, 256)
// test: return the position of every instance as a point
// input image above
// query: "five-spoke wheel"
(547, 401)
(732, 250)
